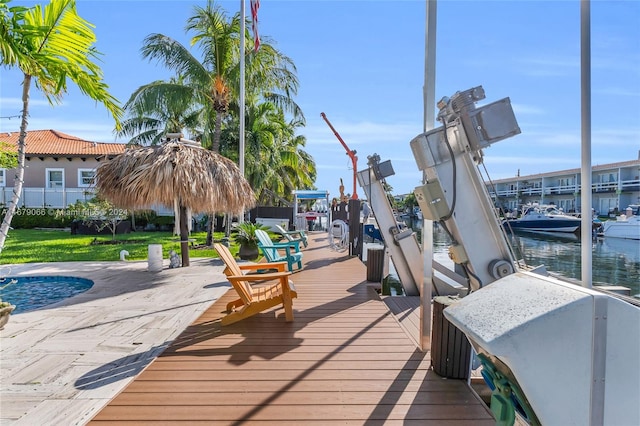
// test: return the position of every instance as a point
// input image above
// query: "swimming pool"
(30, 293)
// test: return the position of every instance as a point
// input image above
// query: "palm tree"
(214, 82)
(158, 108)
(49, 45)
(205, 82)
(271, 77)
(274, 157)
(219, 40)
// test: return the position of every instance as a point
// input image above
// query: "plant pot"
(248, 252)
(4, 315)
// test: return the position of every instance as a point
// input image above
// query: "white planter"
(155, 258)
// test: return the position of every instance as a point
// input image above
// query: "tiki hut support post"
(184, 235)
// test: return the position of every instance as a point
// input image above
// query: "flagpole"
(242, 101)
(242, 54)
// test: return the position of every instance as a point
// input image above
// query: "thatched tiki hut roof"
(197, 179)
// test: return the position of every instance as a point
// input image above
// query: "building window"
(55, 178)
(86, 177)
(3, 177)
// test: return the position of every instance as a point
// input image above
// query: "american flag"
(255, 5)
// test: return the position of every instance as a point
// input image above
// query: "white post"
(427, 225)
(585, 179)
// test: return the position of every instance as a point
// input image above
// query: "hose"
(339, 236)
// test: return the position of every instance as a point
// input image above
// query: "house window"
(3, 177)
(86, 177)
(55, 178)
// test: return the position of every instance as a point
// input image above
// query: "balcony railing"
(625, 185)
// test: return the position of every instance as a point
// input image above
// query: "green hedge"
(28, 218)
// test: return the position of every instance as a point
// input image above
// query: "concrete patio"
(63, 363)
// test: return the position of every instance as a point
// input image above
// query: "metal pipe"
(585, 178)
(429, 121)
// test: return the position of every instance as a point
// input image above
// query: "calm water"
(614, 261)
(30, 293)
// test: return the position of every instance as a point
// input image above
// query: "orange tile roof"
(54, 143)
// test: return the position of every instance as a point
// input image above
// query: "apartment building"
(613, 186)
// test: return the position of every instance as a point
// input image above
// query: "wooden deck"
(344, 360)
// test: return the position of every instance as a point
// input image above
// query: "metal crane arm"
(351, 153)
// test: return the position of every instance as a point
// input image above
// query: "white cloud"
(359, 133)
(617, 91)
(549, 66)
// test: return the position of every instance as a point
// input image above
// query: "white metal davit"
(552, 352)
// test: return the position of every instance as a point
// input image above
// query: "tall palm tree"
(219, 40)
(49, 45)
(213, 82)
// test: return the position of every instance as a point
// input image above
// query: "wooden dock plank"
(345, 359)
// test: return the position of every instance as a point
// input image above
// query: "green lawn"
(30, 245)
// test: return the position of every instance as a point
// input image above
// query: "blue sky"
(362, 63)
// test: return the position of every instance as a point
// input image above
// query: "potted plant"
(5, 310)
(245, 236)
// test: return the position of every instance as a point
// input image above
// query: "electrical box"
(431, 200)
(457, 254)
(490, 123)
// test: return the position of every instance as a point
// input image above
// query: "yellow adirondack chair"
(255, 299)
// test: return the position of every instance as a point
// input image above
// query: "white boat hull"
(626, 228)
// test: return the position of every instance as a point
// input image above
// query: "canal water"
(614, 261)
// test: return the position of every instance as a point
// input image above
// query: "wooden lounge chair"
(279, 252)
(292, 235)
(258, 298)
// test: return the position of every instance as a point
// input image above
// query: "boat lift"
(540, 340)
(351, 153)
(401, 243)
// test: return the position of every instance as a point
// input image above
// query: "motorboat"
(625, 226)
(543, 218)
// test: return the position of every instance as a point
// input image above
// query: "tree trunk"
(184, 236)
(215, 146)
(19, 178)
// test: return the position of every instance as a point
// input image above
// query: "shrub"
(29, 218)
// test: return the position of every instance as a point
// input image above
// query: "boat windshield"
(544, 210)
(552, 210)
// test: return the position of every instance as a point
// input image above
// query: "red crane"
(351, 153)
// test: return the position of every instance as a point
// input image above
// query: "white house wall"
(36, 192)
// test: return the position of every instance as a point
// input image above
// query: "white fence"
(60, 198)
(46, 198)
